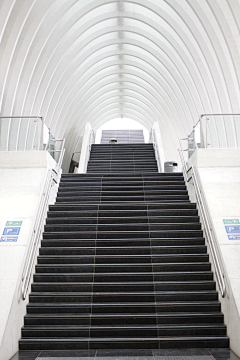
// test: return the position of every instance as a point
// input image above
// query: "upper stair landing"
(123, 136)
(122, 158)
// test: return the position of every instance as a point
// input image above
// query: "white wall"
(22, 175)
(219, 175)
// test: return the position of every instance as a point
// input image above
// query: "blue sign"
(234, 237)
(9, 239)
(232, 229)
(11, 230)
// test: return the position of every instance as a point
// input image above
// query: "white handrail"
(156, 140)
(51, 178)
(36, 235)
(200, 120)
(208, 232)
(88, 140)
(206, 226)
(39, 138)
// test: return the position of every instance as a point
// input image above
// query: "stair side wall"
(218, 172)
(22, 175)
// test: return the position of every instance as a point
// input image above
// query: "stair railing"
(37, 133)
(156, 140)
(207, 228)
(88, 140)
(52, 177)
(36, 234)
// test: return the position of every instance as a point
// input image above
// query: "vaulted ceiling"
(74, 61)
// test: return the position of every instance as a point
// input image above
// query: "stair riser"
(85, 287)
(121, 227)
(120, 320)
(121, 221)
(120, 333)
(117, 247)
(123, 234)
(120, 309)
(126, 345)
(83, 260)
(118, 268)
(144, 277)
(116, 298)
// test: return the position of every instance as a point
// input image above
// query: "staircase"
(122, 158)
(123, 264)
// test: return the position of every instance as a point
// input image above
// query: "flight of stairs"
(123, 265)
(122, 158)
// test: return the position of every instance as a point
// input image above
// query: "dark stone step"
(118, 188)
(181, 213)
(116, 246)
(121, 227)
(124, 343)
(115, 198)
(122, 319)
(112, 298)
(124, 207)
(121, 331)
(124, 194)
(116, 268)
(120, 178)
(122, 308)
(74, 258)
(123, 220)
(124, 277)
(175, 233)
(121, 185)
(122, 287)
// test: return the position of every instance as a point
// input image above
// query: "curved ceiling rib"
(92, 60)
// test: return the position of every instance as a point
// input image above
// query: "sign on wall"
(231, 221)
(232, 227)
(11, 231)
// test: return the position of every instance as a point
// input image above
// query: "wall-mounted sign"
(234, 237)
(11, 231)
(233, 229)
(9, 239)
(14, 223)
(231, 221)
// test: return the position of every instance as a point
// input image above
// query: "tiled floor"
(175, 354)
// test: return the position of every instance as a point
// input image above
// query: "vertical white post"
(86, 148)
(158, 146)
(42, 133)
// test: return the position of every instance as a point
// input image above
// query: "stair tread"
(126, 303)
(166, 314)
(133, 326)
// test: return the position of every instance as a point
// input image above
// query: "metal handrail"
(40, 145)
(52, 176)
(155, 139)
(207, 228)
(88, 140)
(215, 115)
(157, 156)
(184, 165)
(208, 231)
(36, 235)
(62, 152)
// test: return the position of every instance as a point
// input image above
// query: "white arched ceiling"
(74, 61)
